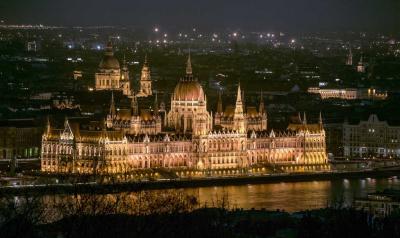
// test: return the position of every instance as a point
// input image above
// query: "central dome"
(109, 61)
(188, 91)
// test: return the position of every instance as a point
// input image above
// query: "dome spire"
(189, 70)
(145, 60)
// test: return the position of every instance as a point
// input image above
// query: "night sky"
(309, 15)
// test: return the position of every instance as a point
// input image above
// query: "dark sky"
(246, 14)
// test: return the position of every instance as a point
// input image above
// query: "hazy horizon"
(292, 15)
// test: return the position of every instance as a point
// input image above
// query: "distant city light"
(156, 29)
(215, 35)
(165, 35)
(235, 34)
(261, 36)
(293, 41)
(98, 47)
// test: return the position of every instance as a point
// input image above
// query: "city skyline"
(310, 15)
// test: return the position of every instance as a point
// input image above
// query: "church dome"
(189, 90)
(109, 61)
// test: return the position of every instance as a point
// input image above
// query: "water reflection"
(294, 196)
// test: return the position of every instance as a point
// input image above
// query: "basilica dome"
(109, 61)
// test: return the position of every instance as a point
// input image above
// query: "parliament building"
(187, 139)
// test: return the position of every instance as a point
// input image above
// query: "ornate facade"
(132, 120)
(371, 138)
(189, 144)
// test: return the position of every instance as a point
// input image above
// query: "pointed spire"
(243, 101)
(145, 59)
(350, 57)
(239, 95)
(299, 117)
(112, 105)
(261, 108)
(320, 118)
(304, 118)
(156, 104)
(219, 105)
(320, 122)
(134, 106)
(48, 126)
(189, 70)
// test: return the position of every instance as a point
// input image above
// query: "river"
(293, 196)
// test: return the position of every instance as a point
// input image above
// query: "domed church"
(110, 76)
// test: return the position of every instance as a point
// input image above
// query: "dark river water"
(293, 196)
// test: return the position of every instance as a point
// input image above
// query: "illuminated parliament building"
(187, 138)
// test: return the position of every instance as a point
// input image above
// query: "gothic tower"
(238, 118)
(145, 80)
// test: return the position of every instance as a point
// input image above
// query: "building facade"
(371, 138)
(189, 142)
(348, 93)
(20, 138)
